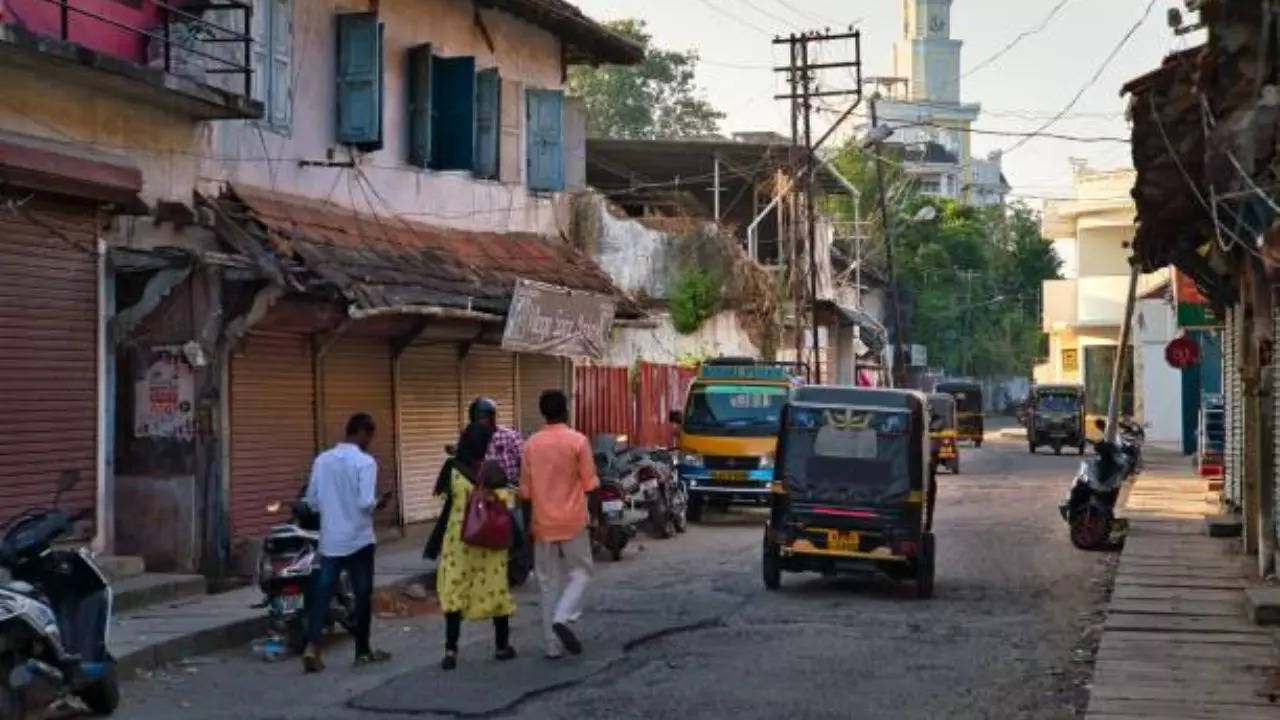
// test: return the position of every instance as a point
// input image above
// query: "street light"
(925, 214)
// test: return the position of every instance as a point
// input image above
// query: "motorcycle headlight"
(691, 459)
(766, 462)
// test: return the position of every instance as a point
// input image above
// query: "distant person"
(343, 489)
(558, 471)
(471, 581)
(506, 446)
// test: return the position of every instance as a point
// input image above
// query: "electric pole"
(899, 379)
(804, 87)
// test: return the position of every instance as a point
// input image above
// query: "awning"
(871, 332)
(386, 265)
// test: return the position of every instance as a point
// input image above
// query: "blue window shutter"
(488, 116)
(419, 105)
(359, 89)
(545, 123)
(453, 102)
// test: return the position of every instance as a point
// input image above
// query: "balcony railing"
(180, 39)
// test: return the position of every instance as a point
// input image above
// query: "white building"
(922, 103)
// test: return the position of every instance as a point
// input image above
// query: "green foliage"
(656, 99)
(973, 275)
(695, 297)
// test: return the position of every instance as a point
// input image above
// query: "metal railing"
(191, 14)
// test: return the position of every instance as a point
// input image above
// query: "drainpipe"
(1117, 375)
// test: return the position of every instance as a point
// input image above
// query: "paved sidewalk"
(1175, 643)
(151, 636)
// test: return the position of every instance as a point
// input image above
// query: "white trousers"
(563, 569)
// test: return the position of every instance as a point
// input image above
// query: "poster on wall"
(1194, 311)
(164, 398)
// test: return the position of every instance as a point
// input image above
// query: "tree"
(656, 99)
(973, 275)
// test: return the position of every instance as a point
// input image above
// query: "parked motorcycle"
(652, 475)
(55, 611)
(287, 568)
(1089, 509)
(613, 520)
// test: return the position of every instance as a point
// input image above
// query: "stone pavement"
(147, 637)
(1175, 644)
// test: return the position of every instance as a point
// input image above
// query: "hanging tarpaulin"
(551, 320)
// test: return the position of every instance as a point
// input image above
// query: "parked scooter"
(1090, 506)
(55, 611)
(287, 568)
(652, 475)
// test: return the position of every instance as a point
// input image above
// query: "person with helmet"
(507, 445)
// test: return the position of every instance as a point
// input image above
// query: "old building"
(280, 214)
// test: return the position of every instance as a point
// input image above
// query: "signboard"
(551, 320)
(1193, 309)
(1182, 352)
(164, 399)
(1071, 360)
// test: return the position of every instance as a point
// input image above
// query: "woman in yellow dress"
(471, 582)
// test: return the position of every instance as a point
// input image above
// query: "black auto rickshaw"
(1055, 417)
(852, 487)
(942, 432)
(968, 397)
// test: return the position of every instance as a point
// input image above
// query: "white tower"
(926, 55)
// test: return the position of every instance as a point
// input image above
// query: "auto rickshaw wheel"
(954, 465)
(771, 564)
(1031, 447)
(1080, 449)
(1057, 449)
(977, 442)
(925, 566)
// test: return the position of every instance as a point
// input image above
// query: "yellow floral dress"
(472, 580)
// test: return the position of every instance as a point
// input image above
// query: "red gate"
(605, 401)
(662, 388)
(602, 400)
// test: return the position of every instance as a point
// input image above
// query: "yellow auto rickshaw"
(968, 397)
(942, 432)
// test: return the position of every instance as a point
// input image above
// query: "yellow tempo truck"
(729, 429)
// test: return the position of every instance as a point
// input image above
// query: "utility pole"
(899, 357)
(968, 322)
(802, 80)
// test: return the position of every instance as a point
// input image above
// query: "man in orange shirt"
(557, 472)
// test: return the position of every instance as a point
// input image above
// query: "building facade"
(922, 102)
(284, 214)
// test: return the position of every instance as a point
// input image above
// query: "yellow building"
(1091, 231)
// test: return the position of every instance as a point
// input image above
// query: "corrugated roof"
(385, 262)
(585, 40)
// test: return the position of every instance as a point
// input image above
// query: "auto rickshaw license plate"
(729, 475)
(842, 541)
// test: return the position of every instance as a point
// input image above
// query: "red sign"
(1182, 352)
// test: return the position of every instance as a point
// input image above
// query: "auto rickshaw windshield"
(1058, 403)
(847, 456)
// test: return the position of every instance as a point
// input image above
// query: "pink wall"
(43, 17)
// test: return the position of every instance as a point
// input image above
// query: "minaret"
(926, 55)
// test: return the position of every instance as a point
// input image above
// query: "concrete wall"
(1103, 250)
(525, 55)
(720, 335)
(1159, 386)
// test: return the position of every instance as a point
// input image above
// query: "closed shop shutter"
(538, 373)
(429, 398)
(1275, 414)
(272, 427)
(48, 354)
(490, 372)
(1232, 483)
(357, 378)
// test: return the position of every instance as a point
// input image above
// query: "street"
(685, 628)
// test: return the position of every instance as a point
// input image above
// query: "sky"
(1019, 92)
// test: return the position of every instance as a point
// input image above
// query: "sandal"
(372, 657)
(450, 660)
(506, 653)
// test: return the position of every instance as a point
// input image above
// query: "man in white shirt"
(344, 490)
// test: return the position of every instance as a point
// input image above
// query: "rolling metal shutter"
(48, 354)
(429, 397)
(357, 378)
(1231, 370)
(538, 373)
(272, 427)
(1275, 425)
(490, 372)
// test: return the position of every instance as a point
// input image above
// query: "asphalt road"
(685, 628)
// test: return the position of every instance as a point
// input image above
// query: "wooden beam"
(402, 343)
(157, 289)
